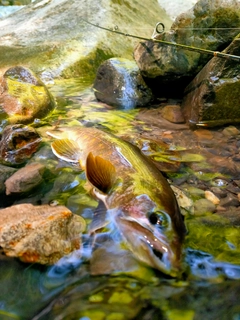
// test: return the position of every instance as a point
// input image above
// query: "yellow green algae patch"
(180, 314)
(215, 235)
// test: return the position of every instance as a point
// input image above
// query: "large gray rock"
(119, 83)
(53, 40)
(168, 69)
(39, 234)
(212, 98)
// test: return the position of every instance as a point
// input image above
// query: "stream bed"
(194, 162)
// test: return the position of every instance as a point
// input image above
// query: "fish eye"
(158, 218)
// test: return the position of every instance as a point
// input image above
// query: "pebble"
(230, 200)
(211, 196)
(220, 193)
(230, 131)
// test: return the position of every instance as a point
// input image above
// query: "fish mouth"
(152, 248)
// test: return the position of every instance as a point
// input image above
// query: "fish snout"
(150, 247)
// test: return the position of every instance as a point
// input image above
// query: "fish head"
(151, 235)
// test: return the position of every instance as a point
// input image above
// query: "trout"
(136, 195)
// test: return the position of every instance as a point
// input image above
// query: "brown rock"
(212, 98)
(173, 114)
(18, 143)
(230, 200)
(25, 179)
(39, 234)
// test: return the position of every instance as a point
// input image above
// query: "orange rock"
(27, 232)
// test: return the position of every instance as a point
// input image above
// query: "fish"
(136, 195)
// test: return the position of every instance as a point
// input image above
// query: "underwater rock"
(203, 207)
(18, 143)
(39, 234)
(230, 200)
(212, 98)
(5, 173)
(168, 69)
(119, 83)
(23, 97)
(25, 179)
(57, 41)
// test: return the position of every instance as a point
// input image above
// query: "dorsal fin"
(100, 172)
(66, 149)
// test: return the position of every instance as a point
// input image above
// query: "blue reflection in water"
(202, 265)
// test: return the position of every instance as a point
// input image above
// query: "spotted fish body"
(135, 193)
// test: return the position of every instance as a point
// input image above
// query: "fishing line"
(160, 29)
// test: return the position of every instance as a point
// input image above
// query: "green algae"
(213, 234)
(225, 104)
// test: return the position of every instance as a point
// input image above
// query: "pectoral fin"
(66, 149)
(100, 173)
(99, 219)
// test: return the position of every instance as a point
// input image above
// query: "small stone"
(203, 206)
(211, 196)
(219, 192)
(230, 131)
(173, 114)
(25, 179)
(203, 134)
(230, 201)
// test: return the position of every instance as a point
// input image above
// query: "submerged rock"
(25, 179)
(210, 24)
(173, 113)
(5, 173)
(18, 143)
(39, 234)
(119, 83)
(23, 97)
(212, 98)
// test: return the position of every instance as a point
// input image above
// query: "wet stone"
(231, 131)
(119, 83)
(18, 143)
(25, 179)
(203, 207)
(173, 114)
(23, 96)
(230, 200)
(220, 193)
(5, 173)
(212, 197)
(39, 234)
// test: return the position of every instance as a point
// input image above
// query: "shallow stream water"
(72, 288)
